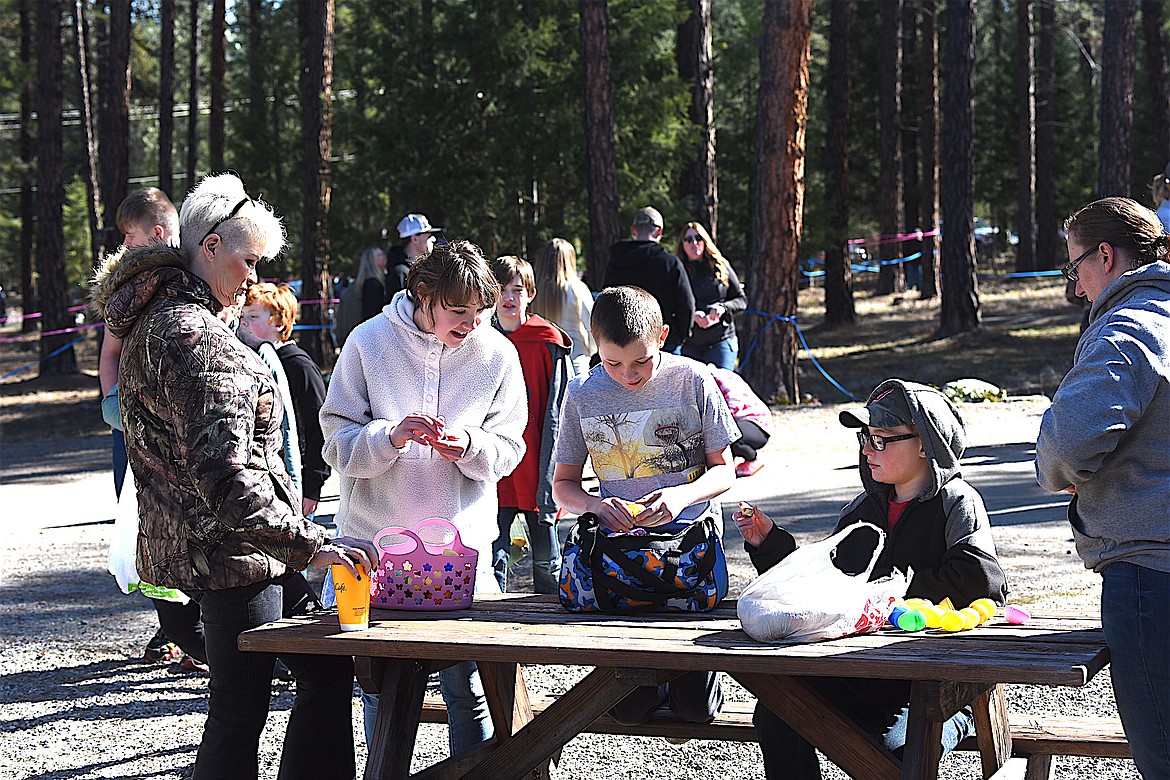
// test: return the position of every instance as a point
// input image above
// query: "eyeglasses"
(692, 239)
(1070, 270)
(878, 443)
(235, 210)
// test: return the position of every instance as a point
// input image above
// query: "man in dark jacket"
(641, 261)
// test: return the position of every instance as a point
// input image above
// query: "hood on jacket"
(940, 428)
(128, 280)
(1152, 275)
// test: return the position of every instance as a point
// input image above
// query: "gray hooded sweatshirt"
(1107, 432)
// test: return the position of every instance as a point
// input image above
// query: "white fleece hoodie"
(389, 369)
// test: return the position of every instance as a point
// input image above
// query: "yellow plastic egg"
(952, 621)
(986, 613)
(917, 603)
(971, 617)
(933, 616)
(946, 604)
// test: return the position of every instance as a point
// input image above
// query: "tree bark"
(166, 98)
(54, 298)
(839, 308)
(960, 289)
(696, 67)
(193, 98)
(316, 19)
(909, 120)
(28, 287)
(1157, 73)
(114, 120)
(890, 278)
(93, 190)
(600, 158)
(215, 142)
(928, 138)
(1116, 146)
(1047, 237)
(1026, 104)
(262, 150)
(778, 194)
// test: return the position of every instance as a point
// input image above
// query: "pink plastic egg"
(1016, 614)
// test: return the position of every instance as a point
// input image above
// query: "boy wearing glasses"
(937, 530)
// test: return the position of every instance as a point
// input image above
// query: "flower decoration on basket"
(427, 567)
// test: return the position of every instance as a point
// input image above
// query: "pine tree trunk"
(93, 191)
(778, 195)
(890, 278)
(316, 19)
(114, 120)
(909, 117)
(928, 138)
(1026, 104)
(838, 273)
(28, 288)
(601, 162)
(696, 67)
(193, 98)
(1116, 146)
(54, 298)
(1047, 237)
(261, 149)
(215, 137)
(960, 291)
(166, 98)
(1157, 73)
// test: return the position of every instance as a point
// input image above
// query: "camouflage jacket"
(202, 415)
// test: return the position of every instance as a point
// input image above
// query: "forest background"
(347, 114)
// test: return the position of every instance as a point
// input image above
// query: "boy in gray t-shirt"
(658, 433)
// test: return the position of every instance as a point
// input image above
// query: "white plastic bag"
(805, 598)
(122, 561)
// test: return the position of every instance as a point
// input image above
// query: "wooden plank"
(923, 749)
(510, 707)
(402, 688)
(369, 672)
(823, 725)
(992, 730)
(1039, 768)
(1013, 769)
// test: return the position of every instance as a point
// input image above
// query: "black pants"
(318, 743)
(753, 438)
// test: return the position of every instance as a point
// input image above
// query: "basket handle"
(396, 530)
(456, 543)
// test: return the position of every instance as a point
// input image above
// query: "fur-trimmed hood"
(128, 279)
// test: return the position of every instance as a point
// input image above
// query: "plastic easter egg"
(986, 602)
(947, 605)
(912, 620)
(971, 617)
(933, 616)
(985, 612)
(918, 603)
(952, 621)
(1016, 615)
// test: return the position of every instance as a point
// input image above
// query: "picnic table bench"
(399, 651)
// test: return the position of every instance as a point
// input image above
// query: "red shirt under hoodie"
(518, 489)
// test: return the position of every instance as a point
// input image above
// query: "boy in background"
(936, 526)
(544, 351)
(145, 216)
(658, 433)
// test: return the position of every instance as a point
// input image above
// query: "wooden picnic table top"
(1052, 649)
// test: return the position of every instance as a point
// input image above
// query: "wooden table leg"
(992, 730)
(511, 709)
(822, 724)
(923, 748)
(400, 697)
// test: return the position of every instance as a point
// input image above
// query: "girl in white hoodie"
(425, 413)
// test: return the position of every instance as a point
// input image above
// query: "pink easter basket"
(424, 568)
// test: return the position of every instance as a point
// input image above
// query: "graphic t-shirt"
(654, 437)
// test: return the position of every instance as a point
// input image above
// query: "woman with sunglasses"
(219, 517)
(718, 298)
(1106, 440)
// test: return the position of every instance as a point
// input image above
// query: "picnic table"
(400, 650)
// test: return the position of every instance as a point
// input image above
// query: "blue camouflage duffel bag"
(643, 570)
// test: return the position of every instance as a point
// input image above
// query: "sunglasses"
(878, 443)
(232, 213)
(1070, 270)
(692, 239)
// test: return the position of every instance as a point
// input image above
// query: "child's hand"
(452, 445)
(755, 526)
(659, 509)
(423, 429)
(614, 514)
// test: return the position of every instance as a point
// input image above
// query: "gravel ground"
(78, 703)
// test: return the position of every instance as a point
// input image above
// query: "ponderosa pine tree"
(838, 271)
(1026, 162)
(890, 214)
(1115, 150)
(601, 162)
(928, 139)
(696, 67)
(166, 98)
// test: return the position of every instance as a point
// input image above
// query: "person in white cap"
(416, 238)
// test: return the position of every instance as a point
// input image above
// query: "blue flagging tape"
(858, 267)
(312, 327)
(800, 335)
(1021, 275)
(52, 354)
